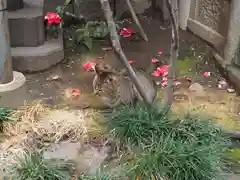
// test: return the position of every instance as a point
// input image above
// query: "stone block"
(26, 27)
(33, 3)
(32, 59)
(13, 5)
(13, 94)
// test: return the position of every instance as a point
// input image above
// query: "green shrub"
(179, 149)
(32, 166)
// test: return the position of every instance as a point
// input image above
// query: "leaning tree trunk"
(118, 49)
(168, 94)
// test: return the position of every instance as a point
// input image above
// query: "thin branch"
(118, 49)
(173, 17)
(135, 18)
(168, 94)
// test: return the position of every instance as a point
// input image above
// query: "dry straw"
(26, 116)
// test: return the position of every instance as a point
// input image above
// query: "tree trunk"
(168, 94)
(118, 49)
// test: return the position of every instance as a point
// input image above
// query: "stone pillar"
(10, 81)
(232, 40)
(183, 13)
(6, 72)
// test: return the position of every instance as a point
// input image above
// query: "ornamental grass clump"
(138, 124)
(179, 149)
(5, 116)
(31, 165)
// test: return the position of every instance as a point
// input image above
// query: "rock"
(222, 85)
(90, 160)
(230, 90)
(64, 151)
(86, 160)
(53, 77)
(198, 89)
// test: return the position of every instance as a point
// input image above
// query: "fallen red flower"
(75, 92)
(126, 32)
(154, 60)
(163, 70)
(189, 79)
(89, 66)
(130, 61)
(156, 74)
(164, 83)
(53, 18)
(207, 74)
(159, 53)
(176, 83)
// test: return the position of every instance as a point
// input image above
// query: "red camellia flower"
(176, 83)
(154, 60)
(130, 61)
(159, 53)
(164, 82)
(189, 79)
(163, 70)
(53, 18)
(89, 66)
(156, 74)
(207, 74)
(126, 32)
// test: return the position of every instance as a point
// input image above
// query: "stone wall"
(209, 19)
(213, 14)
(232, 49)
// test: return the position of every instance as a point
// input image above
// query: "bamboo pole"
(6, 72)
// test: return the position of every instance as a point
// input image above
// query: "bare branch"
(118, 49)
(173, 17)
(135, 18)
(168, 94)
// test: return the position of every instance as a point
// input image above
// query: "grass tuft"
(179, 149)
(5, 116)
(31, 165)
(138, 124)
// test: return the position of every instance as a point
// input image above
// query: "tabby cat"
(116, 88)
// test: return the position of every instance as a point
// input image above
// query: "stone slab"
(26, 27)
(32, 59)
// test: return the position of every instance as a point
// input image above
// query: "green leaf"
(88, 42)
(79, 35)
(100, 31)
